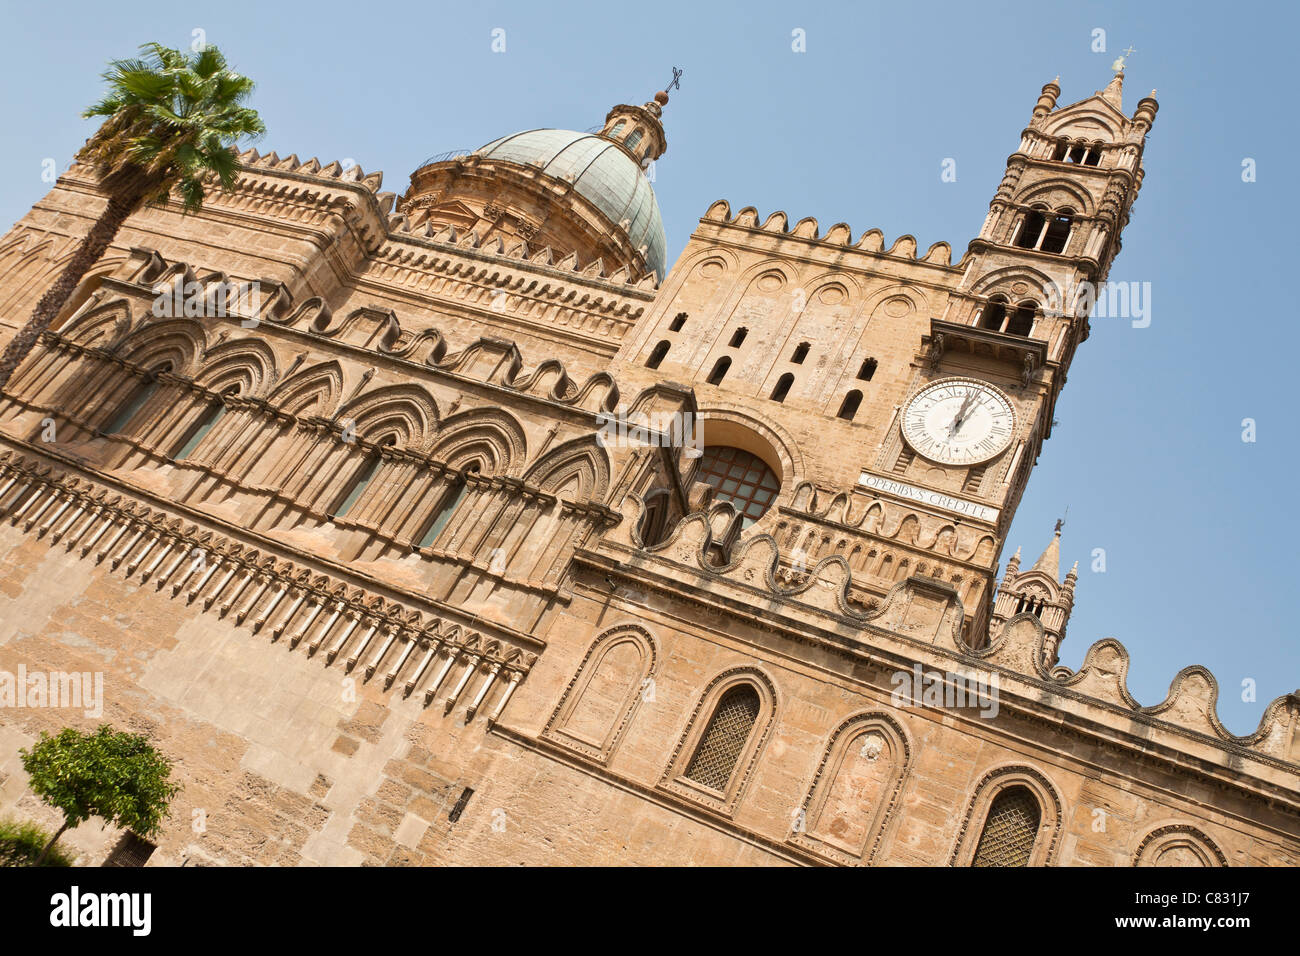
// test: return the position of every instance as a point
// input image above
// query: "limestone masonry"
(459, 528)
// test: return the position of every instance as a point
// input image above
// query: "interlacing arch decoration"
(990, 830)
(248, 364)
(354, 627)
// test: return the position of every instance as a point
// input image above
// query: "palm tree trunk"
(98, 240)
(50, 846)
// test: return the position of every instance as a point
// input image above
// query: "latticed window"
(1009, 830)
(724, 739)
(741, 478)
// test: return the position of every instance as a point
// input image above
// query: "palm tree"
(172, 120)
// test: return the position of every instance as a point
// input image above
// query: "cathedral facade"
(456, 527)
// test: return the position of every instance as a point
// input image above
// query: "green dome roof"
(601, 172)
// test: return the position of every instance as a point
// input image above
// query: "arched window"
(782, 387)
(633, 140)
(1009, 829)
(1021, 322)
(849, 407)
(1062, 151)
(995, 314)
(740, 478)
(1031, 230)
(211, 415)
(142, 393)
(723, 740)
(365, 474)
(618, 128)
(737, 337)
(1094, 155)
(654, 524)
(868, 369)
(658, 354)
(1057, 235)
(678, 321)
(800, 353)
(720, 370)
(451, 500)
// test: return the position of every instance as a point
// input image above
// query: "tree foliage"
(116, 775)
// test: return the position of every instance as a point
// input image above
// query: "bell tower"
(1029, 278)
(913, 390)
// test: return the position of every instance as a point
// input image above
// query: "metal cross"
(675, 84)
(1130, 51)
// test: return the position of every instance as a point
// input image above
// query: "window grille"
(715, 758)
(741, 478)
(1009, 830)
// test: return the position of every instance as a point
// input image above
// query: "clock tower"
(874, 388)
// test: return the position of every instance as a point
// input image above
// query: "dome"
(601, 172)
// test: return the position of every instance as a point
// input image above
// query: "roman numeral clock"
(959, 421)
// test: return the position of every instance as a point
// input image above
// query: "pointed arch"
(598, 705)
(102, 326)
(406, 413)
(490, 436)
(248, 365)
(717, 750)
(178, 342)
(1023, 790)
(313, 391)
(577, 469)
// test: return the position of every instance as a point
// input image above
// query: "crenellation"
(479, 515)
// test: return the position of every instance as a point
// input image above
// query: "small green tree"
(115, 775)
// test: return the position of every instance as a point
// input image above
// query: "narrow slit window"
(657, 356)
(849, 407)
(800, 353)
(720, 370)
(738, 337)
(782, 387)
(867, 370)
(451, 500)
(211, 415)
(678, 321)
(137, 401)
(365, 474)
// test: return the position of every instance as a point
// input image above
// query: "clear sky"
(1197, 525)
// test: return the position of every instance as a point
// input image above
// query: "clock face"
(959, 421)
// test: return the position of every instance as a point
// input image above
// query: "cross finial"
(676, 80)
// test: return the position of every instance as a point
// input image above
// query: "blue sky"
(1197, 526)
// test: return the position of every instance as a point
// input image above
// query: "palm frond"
(175, 117)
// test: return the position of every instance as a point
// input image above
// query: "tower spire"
(1049, 562)
(1114, 91)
